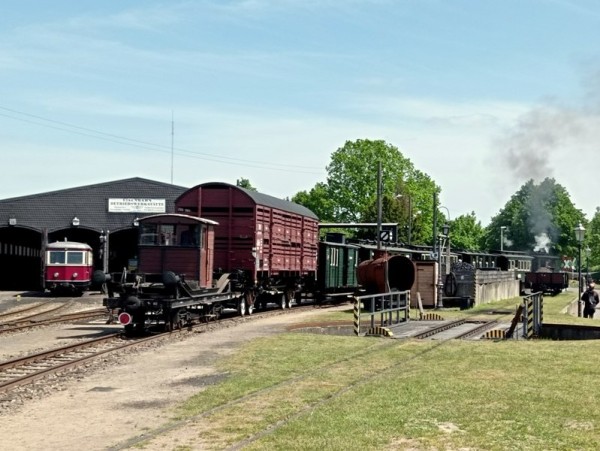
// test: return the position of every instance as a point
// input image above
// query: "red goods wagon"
(547, 281)
(270, 239)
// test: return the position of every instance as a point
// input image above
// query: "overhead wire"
(123, 140)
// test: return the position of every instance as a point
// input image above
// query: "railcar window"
(56, 257)
(74, 258)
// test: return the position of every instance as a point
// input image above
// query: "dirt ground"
(110, 405)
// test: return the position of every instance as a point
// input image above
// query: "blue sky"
(479, 94)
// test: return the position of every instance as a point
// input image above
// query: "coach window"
(189, 235)
(167, 234)
(148, 235)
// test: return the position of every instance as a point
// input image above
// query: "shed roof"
(55, 210)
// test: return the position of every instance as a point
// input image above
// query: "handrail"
(388, 306)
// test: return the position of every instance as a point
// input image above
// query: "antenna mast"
(172, 142)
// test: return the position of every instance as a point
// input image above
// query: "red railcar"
(68, 267)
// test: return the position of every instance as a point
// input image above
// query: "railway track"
(458, 329)
(17, 372)
(29, 322)
(23, 313)
(26, 370)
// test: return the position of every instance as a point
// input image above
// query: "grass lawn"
(319, 392)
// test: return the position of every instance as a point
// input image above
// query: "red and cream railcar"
(273, 241)
(68, 267)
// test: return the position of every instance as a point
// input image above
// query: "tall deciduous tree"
(319, 201)
(350, 194)
(537, 217)
(466, 233)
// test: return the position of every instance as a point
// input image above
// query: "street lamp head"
(579, 233)
(445, 229)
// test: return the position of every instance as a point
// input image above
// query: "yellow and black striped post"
(528, 318)
(356, 317)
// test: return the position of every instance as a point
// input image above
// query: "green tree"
(318, 201)
(466, 233)
(592, 240)
(537, 217)
(350, 193)
(244, 183)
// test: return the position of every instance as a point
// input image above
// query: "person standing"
(591, 299)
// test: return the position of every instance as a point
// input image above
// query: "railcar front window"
(75, 258)
(56, 257)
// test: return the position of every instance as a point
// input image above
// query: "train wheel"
(289, 296)
(249, 304)
(282, 301)
(241, 309)
(298, 297)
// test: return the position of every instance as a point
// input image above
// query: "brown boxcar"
(546, 281)
(272, 240)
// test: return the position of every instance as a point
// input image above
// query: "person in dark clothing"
(591, 299)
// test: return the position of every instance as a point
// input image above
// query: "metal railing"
(382, 309)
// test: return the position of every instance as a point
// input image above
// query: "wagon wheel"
(289, 296)
(241, 307)
(176, 320)
(249, 303)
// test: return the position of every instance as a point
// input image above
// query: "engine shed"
(104, 215)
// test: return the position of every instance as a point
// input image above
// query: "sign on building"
(137, 205)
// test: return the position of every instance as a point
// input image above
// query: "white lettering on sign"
(128, 205)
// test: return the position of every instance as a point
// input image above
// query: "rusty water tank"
(400, 271)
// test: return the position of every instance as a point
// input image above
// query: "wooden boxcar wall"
(195, 263)
(285, 242)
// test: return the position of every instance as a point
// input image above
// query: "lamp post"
(587, 263)
(502, 229)
(441, 237)
(579, 234)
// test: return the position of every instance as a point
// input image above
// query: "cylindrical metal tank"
(400, 272)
